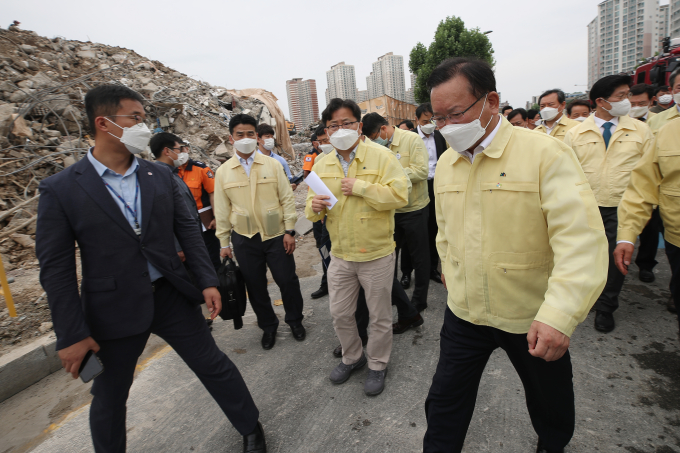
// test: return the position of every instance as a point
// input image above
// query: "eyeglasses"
(346, 125)
(181, 149)
(442, 120)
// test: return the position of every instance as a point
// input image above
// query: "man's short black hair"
(531, 113)
(516, 112)
(576, 102)
(372, 123)
(163, 140)
(478, 73)
(408, 124)
(264, 129)
(661, 88)
(671, 79)
(104, 100)
(507, 107)
(241, 119)
(606, 86)
(320, 131)
(337, 104)
(641, 88)
(561, 97)
(424, 108)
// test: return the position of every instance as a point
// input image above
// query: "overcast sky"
(262, 43)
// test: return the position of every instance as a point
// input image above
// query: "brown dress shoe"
(403, 325)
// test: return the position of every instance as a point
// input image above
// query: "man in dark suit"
(123, 213)
(436, 145)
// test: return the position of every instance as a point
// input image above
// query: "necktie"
(607, 134)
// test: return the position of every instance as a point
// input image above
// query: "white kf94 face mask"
(136, 138)
(343, 139)
(269, 144)
(621, 108)
(549, 113)
(326, 148)
(462, 136)
(428, 128)
(246, 145)
(182, 158)
(639, 112)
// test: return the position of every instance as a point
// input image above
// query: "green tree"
(451, 39)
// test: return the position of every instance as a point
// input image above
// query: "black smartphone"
(91, 367)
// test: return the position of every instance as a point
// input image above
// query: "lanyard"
(137, 229)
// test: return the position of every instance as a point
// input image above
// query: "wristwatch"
(291, 232)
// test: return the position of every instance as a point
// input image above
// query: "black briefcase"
(233, 291)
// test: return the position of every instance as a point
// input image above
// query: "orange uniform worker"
(201, 181)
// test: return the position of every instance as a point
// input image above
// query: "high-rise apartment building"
(674, 18)
(387, 77)
(362, 95)
(623, 33)
(664, 23)
(341, 82)
(302, 101)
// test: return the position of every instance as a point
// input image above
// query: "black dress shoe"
(322, 291)
(254, 442)
(268, 340)
(403, 325)
(604, 322)
(436, 276)
(405, 281)
(670, 305)
(646, 276)
(337, 352)
(299, 332)
(541, 449)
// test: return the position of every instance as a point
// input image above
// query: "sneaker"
(341, 373)
(375, 382)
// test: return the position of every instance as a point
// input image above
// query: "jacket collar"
(396, 138)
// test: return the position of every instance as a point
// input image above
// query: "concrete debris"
(43, 125)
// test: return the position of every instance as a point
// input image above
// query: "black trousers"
(182, 325)
(254, 256)
(406, 265)
(464, 351)
(649, 242)
(321, 236)
(673, 254)
(212, 243)
(609, 299)
(410, 232)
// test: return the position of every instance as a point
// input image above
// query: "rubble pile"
(43, 125)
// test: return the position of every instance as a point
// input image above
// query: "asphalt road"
(627, 386)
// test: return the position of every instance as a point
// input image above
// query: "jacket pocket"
(454, 271)
(273, 218)
(240, 221)
(98, 284)
(372, 230)
(517, 283)
(669, 203)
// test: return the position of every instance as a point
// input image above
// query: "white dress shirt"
(431, 151)
(247, 164)
(600, 123)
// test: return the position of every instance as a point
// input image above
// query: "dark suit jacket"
(440, 143)
(116, 298)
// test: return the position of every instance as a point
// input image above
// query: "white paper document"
(316, 184)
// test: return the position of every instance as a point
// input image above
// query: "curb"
(23, 367)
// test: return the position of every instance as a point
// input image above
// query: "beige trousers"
(344, 281)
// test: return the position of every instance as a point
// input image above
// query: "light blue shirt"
(345, 164)
(125, 186)
(280, 160)
(247, 164)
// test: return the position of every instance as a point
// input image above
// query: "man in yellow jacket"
(523, 251)
(254, 198)
(672, 112)
(555, 123)
(369, 184)
(654, 181)
(609, 144)
(410, 222)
